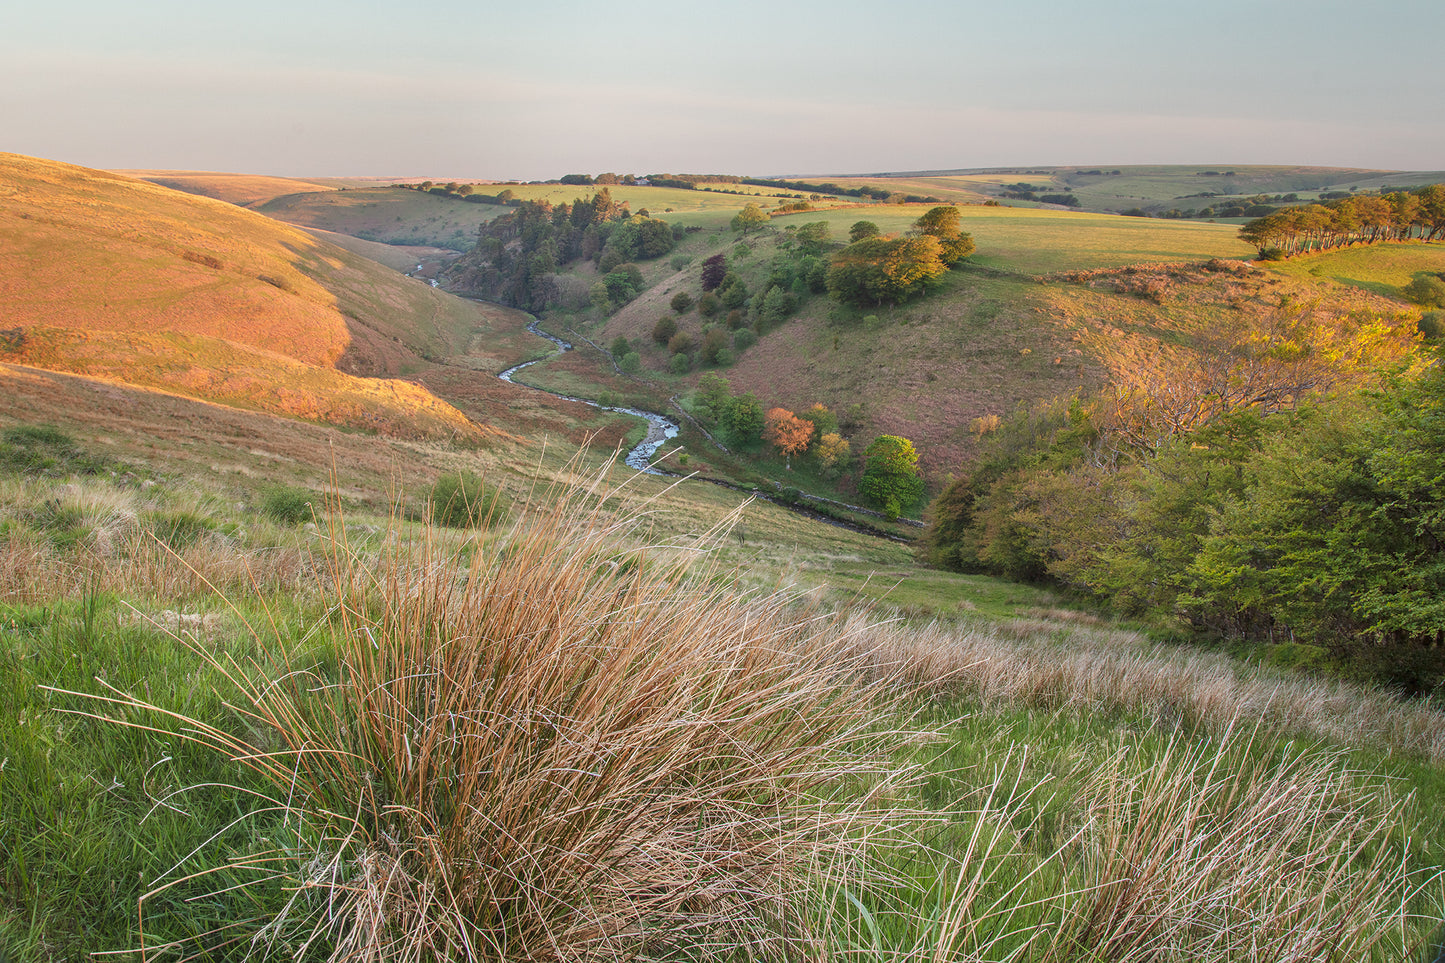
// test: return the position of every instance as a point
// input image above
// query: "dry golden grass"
(1047, 664)
(242, 189)
(106, 275)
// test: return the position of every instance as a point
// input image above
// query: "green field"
(1151, 187)
(1380, 268)
(1031, 241)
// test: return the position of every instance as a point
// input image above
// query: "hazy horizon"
(324, 88)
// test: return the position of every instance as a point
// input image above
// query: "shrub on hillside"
(464, 500)
(664, 330)
(1427, 291)
(289, 506)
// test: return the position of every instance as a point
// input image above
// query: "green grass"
(1033, 241)
(1379, 268)
(1050, 730)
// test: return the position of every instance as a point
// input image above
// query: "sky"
(534, 89)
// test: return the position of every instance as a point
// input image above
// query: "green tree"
(711, 397)
(733, 293)
(813, 238)
(879, 270)
(824, 421)
(943, 222)
(742, 419)
(664, 329)
(891, 479)
(750, 218)
(681, 302)
(862, 230)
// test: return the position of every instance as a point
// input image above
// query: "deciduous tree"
(786, 432)
(891, 479)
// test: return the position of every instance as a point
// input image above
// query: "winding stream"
(661, 429)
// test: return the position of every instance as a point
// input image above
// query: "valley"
(331, 584)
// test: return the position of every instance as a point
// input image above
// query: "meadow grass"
(1379, 268)
(691, 768)
(1036, 241)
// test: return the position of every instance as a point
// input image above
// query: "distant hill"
(242, 189)
(1156, 189)
(112, 277)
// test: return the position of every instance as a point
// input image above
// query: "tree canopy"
(750, 218)
(891, 479)
(786, 432)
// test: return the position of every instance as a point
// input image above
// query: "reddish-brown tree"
(786, 432)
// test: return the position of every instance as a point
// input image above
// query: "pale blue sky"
(484, 90)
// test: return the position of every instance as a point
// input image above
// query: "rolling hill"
(120, 279)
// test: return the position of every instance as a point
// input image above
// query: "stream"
(661, 429)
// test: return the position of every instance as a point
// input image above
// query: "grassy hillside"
(701, 724)
(1051, 305)
(242, 189)
(133, 282)
(1037, 785)
(389, 215)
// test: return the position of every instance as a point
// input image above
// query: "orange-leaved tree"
(786, 432)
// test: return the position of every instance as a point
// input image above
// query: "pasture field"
(1380, 268)
(1148, 187)
(1032, 241)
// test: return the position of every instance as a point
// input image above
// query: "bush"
(1427, 291)
(682, 302)
(1432, 325)
(631, 362)
(463, 500)
(680, 364)
(744, 339)
(664, 330)
(289, 506)
(708, 305)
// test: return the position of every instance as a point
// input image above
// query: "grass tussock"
(537, 746)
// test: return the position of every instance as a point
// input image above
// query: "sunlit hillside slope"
(117, 278)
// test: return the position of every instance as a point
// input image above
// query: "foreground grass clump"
(538, 746)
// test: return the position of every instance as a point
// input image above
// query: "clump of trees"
(1360, 219)
(518, 254)
(875, 269)
(1306, 513)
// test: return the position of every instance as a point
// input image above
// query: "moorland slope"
(120, 279)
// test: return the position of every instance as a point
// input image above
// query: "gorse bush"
(539, 748)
